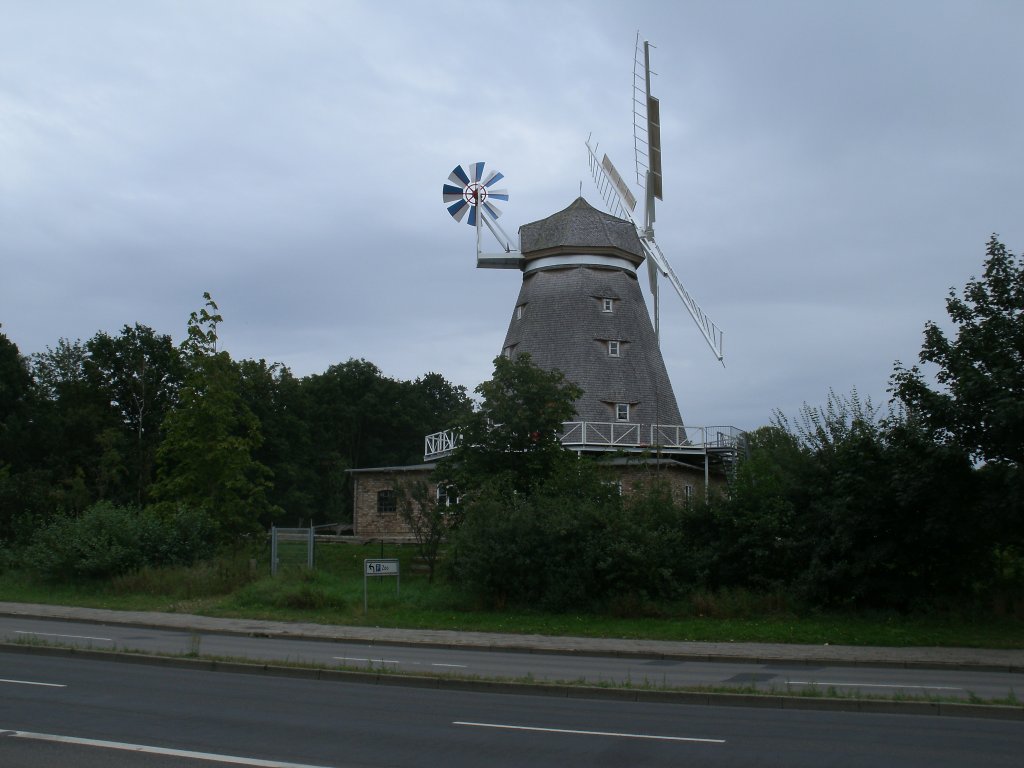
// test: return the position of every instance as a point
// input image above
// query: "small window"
(622, 411)
(613, 348)
(447, 495)
(607, 305)
(519, 311)
(507, 351)
(687, 493)
(387, 501)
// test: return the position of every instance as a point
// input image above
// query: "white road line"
(876, 685)
(591, 733)
(372, 661)
(459, 666)
(31, 682)
(209, 756)
(52, 634)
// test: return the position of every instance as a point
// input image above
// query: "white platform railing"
(611, 436)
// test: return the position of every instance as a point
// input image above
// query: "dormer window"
(613, 348)
(519, 311)
(607, 305)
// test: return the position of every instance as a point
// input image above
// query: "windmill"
(621, 202)
(580, 308)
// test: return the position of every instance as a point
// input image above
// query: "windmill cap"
(581, 229)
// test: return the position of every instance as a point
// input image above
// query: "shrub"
(108, 540)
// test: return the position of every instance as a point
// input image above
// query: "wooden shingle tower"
(580, 310)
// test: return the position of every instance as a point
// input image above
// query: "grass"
(333, 594)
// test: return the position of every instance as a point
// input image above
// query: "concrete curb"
(557, 690)
(977, 659)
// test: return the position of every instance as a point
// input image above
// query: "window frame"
(619, 411)
(387, 501)
(614, 348)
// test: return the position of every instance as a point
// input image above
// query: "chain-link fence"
(291, 548)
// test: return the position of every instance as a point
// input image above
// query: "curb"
(557, 690)
(513, 644)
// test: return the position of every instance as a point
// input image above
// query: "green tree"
(15, 379)
(429, 518)
(74, 428)
(360, 418)
(206, 459)
(978, 405)
(278, 400)
(980, 402)
(142, 372)
(514, 435)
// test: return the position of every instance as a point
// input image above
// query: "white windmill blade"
(613, 190)
(712, 333)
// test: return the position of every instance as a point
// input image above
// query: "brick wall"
(371, 524)
(677, 476)
(367, 522)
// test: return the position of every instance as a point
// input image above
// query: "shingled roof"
(580, 228)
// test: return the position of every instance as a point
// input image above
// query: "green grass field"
(333, 594)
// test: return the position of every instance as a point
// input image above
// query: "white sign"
(380, 567)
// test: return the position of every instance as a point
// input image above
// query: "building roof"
(406, 468)
(580, 228)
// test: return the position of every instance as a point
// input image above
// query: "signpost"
(380, 567)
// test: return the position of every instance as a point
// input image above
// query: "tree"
(981, 371)
(74, 429)
(979, 406)
(142, 373)
(277, 399)
(428, 518)
(360, 418)
(514, 435)
(206, 458)
(15, 379)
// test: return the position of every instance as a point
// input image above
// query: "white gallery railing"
(605, 435)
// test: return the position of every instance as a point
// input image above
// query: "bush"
(572, 544)
(108, 540)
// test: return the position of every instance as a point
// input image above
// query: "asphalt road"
(779, 676)
(84, 712)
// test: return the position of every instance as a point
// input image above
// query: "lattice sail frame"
(621, 202)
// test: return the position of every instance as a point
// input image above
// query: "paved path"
(974, 658)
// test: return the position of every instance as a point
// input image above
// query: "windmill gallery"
(580, 310)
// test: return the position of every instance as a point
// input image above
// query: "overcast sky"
(831, 170)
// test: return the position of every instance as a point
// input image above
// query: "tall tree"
(206, 458)
(277, 399)
(980, 405)
(142, 372)
(75, 428)
(15, 379)
(514, 435)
